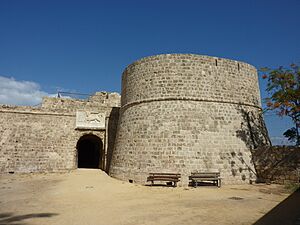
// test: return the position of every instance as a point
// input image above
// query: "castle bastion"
(182, 113)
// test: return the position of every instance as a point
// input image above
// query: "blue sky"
(83, 46)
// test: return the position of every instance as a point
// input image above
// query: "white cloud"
(14, 92)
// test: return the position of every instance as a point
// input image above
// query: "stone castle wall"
(182, 113)
(179, 113)
(44, 139)
(277, 164)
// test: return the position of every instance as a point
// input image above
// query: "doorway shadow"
(285, 213)
(90, 150)
(203, 184)
(12, 219)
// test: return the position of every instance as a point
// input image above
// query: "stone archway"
(89, 152)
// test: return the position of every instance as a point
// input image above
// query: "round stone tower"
(182, 113)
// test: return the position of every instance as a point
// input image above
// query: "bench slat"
(205, 174)
(193, 176)
(165, 174)
(203, 179)
(162, 179)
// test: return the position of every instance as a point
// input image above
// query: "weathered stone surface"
(182, 113)
(44, 139)
(277, 164)
(179, 113)
(90, 120)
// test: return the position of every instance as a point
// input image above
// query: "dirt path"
(91, 197)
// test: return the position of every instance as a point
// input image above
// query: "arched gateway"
(89, 152)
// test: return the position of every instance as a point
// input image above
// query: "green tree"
(283, 87)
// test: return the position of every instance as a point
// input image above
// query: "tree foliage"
(283, 87)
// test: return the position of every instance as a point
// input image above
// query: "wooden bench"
(197, 177)
(168, 177)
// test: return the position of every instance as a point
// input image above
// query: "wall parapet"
(20, 111)
(189, 75)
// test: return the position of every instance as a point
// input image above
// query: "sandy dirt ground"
(92, 197)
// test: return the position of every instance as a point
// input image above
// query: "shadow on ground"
(285, 213)
(160, 185)
(11, 219)
(204, 184)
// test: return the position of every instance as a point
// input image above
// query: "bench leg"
(152, 182)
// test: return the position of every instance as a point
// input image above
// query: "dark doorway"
(89, 149)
